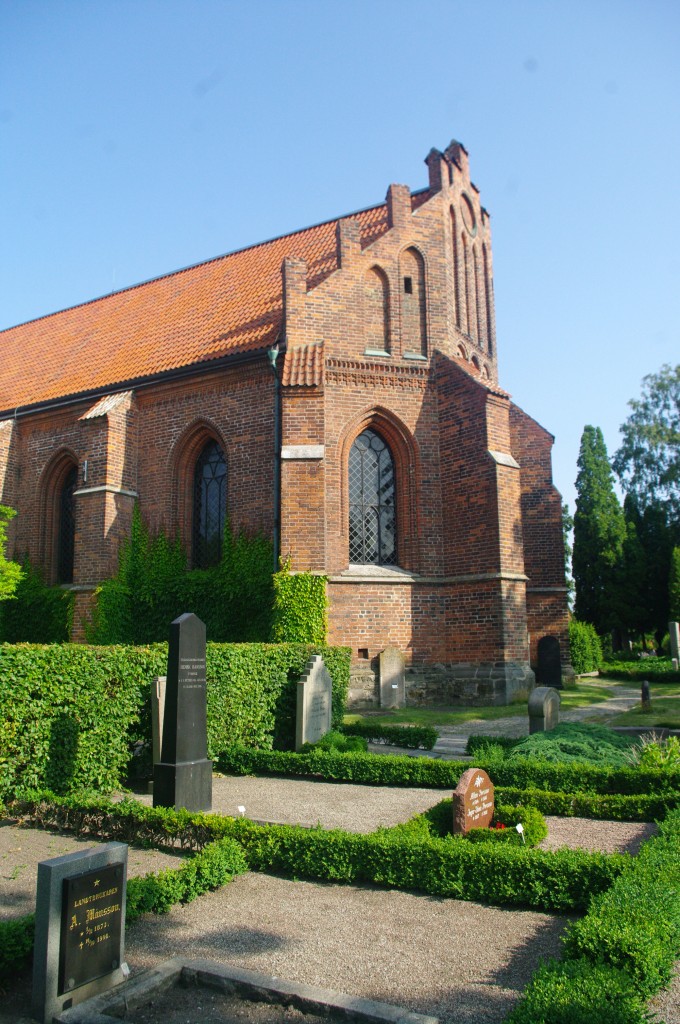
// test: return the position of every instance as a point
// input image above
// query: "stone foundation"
(444, 685)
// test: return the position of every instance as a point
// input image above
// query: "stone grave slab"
(544, 709)
(392, 686)
(674, 635)
(183, 777)
(473, 801)
(79, 928)
(314, 707)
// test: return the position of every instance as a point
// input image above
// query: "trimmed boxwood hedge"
(401, 770)
(68, 713)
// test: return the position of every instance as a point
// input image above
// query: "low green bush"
(16, 944)
(493, 873)
(602, 806)
(439, 820)
(483, 744)
(655, 670)
(37, 613)
(337, 741)
(412, 737)
(388, 770)
(635, 925)
(575, 741)
(579, 992)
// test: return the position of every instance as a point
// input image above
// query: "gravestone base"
(187, 784)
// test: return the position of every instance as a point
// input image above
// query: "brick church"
(337, 389)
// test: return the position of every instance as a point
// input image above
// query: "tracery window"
(66, 534)
(210, 506)
(372, 513)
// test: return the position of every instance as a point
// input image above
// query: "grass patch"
(665, 714)
(438, 716)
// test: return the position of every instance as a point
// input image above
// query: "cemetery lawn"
(590, 691)
(665, 713)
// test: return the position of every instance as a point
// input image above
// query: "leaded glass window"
(67, 528)
(372, 519)
(210, 505)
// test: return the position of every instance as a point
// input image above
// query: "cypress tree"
(599, 535)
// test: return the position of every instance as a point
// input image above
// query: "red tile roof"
(303, 366)
(232, 304)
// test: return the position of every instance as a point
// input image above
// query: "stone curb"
(235, 980)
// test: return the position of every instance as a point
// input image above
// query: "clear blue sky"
(139, 136)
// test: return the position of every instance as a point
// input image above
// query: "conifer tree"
(599, 534)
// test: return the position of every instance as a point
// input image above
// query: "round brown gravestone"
(472, 801)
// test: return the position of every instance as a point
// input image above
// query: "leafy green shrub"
(153, 586)
(37, 613)
(389, 770)
(605, 807)
(68, 713)
(494, 873)
(574, 741)
(439, 820)
(412, 737)
(337, 741)
(479, 745)
(635, 925)
(655, 670)
(300, 607)
(579, 992)
(654, 752)
(585, 647)
(16, 944)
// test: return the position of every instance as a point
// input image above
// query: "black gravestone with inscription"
(183, 777)
(91, 926)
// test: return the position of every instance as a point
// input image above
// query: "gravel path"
(462, 962)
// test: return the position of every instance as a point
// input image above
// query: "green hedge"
(622, 951)
(37, 613)
(601, 806)
(499, 874)
(654, 670)
(68, 713)
(210, 869)
(413, 737)
(401, 770)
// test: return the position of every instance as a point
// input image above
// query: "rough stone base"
(446, 685)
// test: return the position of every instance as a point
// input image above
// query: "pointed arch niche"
(413, 303)
(381, 438)
(376, 311)
(58, 517)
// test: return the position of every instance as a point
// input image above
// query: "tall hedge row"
(69, 713)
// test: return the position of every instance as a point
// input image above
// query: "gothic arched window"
(66, 536)
(210, 506)
(372, 514)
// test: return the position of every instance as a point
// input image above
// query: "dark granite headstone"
(549, 669)
(183, 777)
(473, 802)
(79, 928)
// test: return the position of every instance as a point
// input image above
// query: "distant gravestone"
(549, 669)
(391, 678)
(79, 928)
(183, 777)
(646, 696)
(544, 709)
(674, 634)
(314, 707)
(473, 802)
